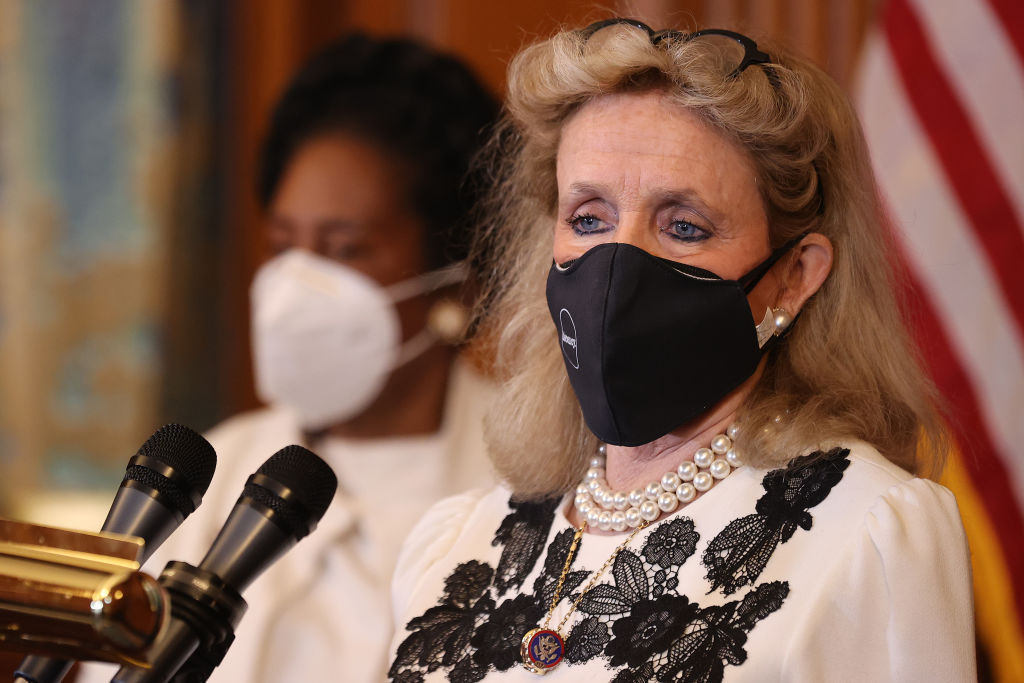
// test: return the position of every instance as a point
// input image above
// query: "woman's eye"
(685, 231)
(587, 225)
(345, 252)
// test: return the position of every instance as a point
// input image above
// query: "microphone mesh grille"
(293, 517)
(153, 479)
(186, 451)
(310, 478)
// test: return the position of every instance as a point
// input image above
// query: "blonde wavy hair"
(846, 370)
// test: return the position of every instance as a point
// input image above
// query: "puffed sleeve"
(429, 541)
(896, 601)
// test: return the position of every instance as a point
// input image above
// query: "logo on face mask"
(568, 328)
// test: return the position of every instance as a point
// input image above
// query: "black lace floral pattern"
(468, 632)
(496, 641)
(467, 583)
(673, 639)
(587, 640)
(670, 544)
(738, 555)
(408, 677)
(546, 582)
(661, 635)
(651, 627)
(636, 620)
(522, 533)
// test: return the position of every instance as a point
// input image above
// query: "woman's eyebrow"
(690, 199)
(583, 188)
(338, 225)
(660, 197)
(596, 191)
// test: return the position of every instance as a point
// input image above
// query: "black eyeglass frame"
(752, 54)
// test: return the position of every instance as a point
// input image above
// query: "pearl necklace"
(610, 510)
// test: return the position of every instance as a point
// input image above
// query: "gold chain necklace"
(542, 649)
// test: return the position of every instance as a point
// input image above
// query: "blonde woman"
(711, 407)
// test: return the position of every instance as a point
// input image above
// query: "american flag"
(941, 96)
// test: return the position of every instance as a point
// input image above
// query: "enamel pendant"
(542, 650)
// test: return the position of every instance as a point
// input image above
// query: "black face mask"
(649, 343)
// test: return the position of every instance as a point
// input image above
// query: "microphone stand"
(202, 605)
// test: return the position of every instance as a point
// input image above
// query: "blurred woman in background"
(355, 326)
(363, 179)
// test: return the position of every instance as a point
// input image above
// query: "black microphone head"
(189, 463)
(308, 484)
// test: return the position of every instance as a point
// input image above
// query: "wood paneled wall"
(269, 39)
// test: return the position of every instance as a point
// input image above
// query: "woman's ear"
(805, 271)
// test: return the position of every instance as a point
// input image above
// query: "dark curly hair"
(425, 110)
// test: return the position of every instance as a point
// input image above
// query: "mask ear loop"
(766, 329)
(418, 344)
(451, 274)
(750, 280)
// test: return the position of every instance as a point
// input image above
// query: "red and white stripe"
(941, 97)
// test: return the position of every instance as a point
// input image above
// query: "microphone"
(280, 504)
(163, 484)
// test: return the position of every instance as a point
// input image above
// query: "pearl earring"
(448, 320)
(782, 320)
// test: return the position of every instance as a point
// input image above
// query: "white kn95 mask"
(326, 337)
